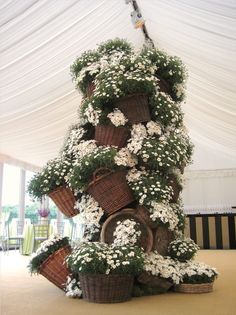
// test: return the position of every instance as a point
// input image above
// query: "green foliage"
(115, 45)
(100, 258)
(45, 250)
(145, 290)
(82, 173)
(182, 249)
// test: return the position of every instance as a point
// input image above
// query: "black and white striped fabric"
(212, 231)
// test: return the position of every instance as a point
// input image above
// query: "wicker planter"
(194, 288)
(90, 89)
(110, 190)
(162, 237)
(64, 199)
(163, 86)
(144, 214)
(106, 288)
(154, 281)
(146, 238)
(134, 107)
(54, 268)
(111, 135)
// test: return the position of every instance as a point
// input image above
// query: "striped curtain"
(212, 231)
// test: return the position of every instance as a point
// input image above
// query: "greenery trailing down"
(101, 258)
(82, 173)
(46, 248)
(51, 177)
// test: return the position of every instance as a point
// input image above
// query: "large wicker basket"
(194, 288)
(64, 199)
(54, 268)
(154, 281)
(111, 135)
(110, 190)
(144, 214)
(134, 107)
(111, 288)
(146, 238)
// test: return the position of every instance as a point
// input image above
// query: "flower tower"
(122, 164)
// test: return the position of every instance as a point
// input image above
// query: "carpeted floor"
(21, 294)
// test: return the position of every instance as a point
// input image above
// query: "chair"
(41, 233)
(17, 235)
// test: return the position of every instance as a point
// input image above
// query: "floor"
(23, 294)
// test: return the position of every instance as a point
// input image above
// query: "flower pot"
(111, 135)
(134, 107)
(112, 288)
(194, 288)
(144, 214)
(110, 190)
(54, 268)
(64, 199)
(154, 281)
(146, 238)
(163, 86)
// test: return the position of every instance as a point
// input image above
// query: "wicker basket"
(144, 214)
(54, 268)
(111, 135)
(64, 199)
(106, 288)
(134, 107)
(146, 238)
(90, 89)
(154, 281)
(162, 237)
(194, 288)
(110, 190)
(163, 85)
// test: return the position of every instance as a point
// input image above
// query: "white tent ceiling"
(40, 39)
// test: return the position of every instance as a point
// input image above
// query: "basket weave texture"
(64, 199)
(110, 190)
(54, 268)
(112, 288)
(146, 238)
(134, 107)
(194, 288)
(154, 281)
(111, 135)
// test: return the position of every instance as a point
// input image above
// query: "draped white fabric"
(40, 39)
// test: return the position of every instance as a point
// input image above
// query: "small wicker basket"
(111, 135)
(112, 288)
(194, 288)
(54, 268)
(134, 107)
(110, 190)
(64, 199)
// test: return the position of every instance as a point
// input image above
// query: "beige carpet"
(21, 294)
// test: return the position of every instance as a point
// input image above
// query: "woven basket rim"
(60, 188)
(101, 177)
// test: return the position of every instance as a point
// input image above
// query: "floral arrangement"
(91, 214)
(163, 214)
(126, 232)
(100, 258)
(45, 249)
(197, 272)
(182, 249)
(117, 118)
(44, 213)
(163, 267)
(73, 289)
(51, 177)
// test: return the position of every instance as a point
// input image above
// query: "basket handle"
(101, 171)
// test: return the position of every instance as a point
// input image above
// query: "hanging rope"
(143, 26)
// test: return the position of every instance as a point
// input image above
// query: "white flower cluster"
(73, 139)
(92, 114)
(125, 158)
(153, 128)
(126, 232)
(183, 249)
(138, 134)
(84, 148)
(52, 240)
(134, 175)
(73, 289)
(194, 269)
(163, 267)
(164, 213)
(117, 118)
(90, 210)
